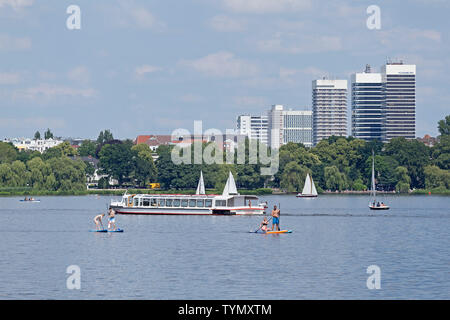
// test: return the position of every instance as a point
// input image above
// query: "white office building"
(329, 104)
(254, 127)
(289, 126)
(399, 85)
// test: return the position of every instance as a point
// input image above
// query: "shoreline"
(8, 192)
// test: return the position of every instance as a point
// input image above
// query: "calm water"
(335, 239)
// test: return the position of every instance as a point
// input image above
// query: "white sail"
(201, 185)
(307, 187)
(230, 186)
(313, 189)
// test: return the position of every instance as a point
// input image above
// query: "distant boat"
(373, 204)
(309, 189)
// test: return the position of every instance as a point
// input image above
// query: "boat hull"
(306, 196)
(379, 208)
(187, 211)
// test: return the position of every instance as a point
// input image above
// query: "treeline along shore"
(337, 165)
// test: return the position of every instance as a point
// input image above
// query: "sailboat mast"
(373, 176)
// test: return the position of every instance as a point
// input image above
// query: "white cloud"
(313, 72)
(225, 23)
(49, 91)
(8, 43)
(409, 37)
(9, 78)
(222, 64)
(16, 4)
(267, 6)
(129, 14)
(301, 44)
(32, 122)
(79, 74)
(191, 98)
(251, 101)
(144, 69)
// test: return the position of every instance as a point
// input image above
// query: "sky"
(150, 67)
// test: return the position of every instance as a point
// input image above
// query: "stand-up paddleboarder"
(276, 218)
(98, 221)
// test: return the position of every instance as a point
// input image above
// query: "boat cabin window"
(146, 202)
(176, 202)
(208, 203)
(184, 202)
(168, 202)
(136, 202)
(153, 202)
(221, 203)
(192, 203)
(200, 203)
(161, 202)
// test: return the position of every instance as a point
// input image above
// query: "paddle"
(261, 225)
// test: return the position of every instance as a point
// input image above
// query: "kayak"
(104, 230)
(30, 200)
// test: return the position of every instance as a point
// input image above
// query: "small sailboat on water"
(309, 189)
(373, 204)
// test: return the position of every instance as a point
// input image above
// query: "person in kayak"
(98, 221)
(264, 225)
(112, 219)
(276, 218)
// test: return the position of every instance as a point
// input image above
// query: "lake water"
(335, 239)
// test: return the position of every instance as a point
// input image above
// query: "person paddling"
(264, 226)
(98, 221)
(276, 218)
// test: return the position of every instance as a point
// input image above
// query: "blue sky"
(144, 67)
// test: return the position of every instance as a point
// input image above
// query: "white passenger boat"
(229, 203)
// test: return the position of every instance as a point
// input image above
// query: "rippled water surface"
(335, 239)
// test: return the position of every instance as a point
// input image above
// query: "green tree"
(293, 177)
(444, 126)
(116, 161)
(8, 152)
(143, 165)
(48, 134)
(87, 149)
(335, 180)
(441, 153)
(436, 177)
(412, 154)
(104, 136)
(37, 135)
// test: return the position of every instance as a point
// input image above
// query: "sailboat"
(373, 204)
(309, 189)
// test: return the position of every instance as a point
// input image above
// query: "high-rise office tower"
(254, 127)
(289, 126)
(329, 106)
(297, 127)
(275, 116)
(399, 109)
(367, 105)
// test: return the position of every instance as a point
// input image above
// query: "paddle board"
(118, 230)
(272, 232)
